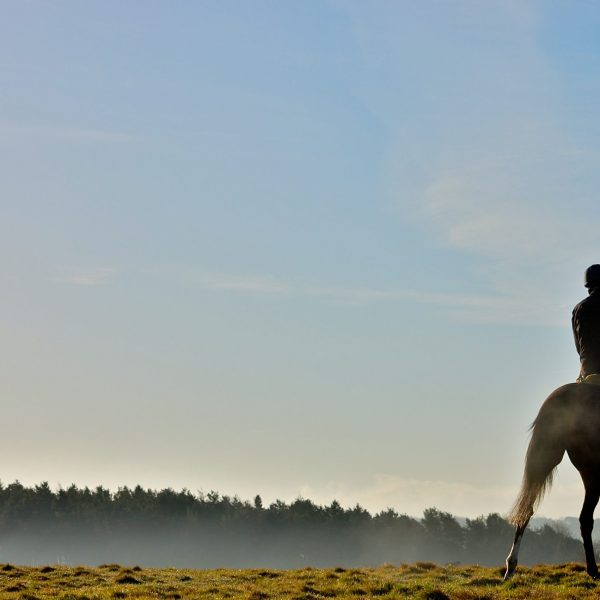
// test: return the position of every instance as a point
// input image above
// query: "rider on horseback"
(569, 421)
(586, 326)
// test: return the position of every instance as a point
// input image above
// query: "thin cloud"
(533, 244)
(488, 165)
(249, 284)
(515, 212)
(65, 134)
(85, 276)
(470, 308)
(411, 496)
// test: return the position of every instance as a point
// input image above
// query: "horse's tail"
(544, 453)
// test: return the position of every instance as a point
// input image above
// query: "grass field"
(424, 581)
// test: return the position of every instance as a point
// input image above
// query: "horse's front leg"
(586, 522)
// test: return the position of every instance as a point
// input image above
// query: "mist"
(76, 526)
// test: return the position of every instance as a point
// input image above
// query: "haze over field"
(319, 248)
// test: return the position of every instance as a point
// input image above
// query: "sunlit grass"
(423, 581)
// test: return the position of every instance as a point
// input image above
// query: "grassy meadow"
(424, 581)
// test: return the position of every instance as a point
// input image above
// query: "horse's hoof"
(592, 571)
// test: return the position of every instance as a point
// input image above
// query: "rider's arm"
(574, 326)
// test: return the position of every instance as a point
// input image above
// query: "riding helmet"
(592, 277)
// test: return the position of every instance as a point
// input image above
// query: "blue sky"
(323, 248)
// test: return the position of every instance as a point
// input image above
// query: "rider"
(586, 325)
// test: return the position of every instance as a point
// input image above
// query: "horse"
(569, 420)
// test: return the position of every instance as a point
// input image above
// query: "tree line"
(179, 528)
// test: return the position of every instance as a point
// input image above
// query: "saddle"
(593, 378)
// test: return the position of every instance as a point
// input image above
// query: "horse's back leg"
(513, 558)
(544, 453)
(586, 522)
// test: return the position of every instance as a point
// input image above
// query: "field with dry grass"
(423, 581)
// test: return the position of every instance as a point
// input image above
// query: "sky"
(325, 249)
